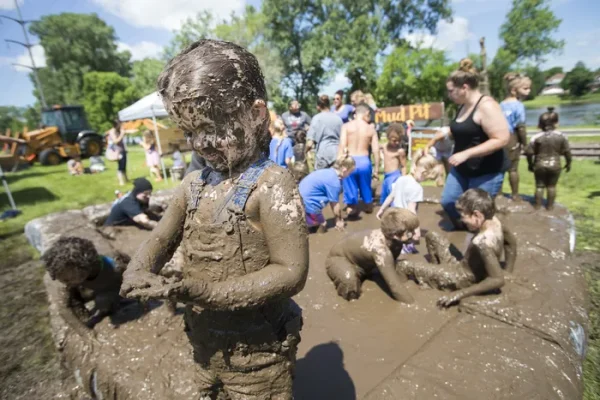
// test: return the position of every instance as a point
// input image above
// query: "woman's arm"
(439, 136)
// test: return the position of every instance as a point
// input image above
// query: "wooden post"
(485, 84)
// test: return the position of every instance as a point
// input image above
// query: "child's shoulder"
(276, 175)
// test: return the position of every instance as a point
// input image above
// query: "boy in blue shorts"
(394, 159)
(323, 187)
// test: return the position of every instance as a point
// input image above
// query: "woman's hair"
(357, 97)
(116, 123)
(395, 129)
(465, 74)
(70, 253)
(548, 120)
(340, 93)
(345, 161)
(323, 102)
(432, 169)
(217, 80)
(397, 221)
(476, 200)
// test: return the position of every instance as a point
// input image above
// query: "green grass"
(41, 190)
(546, 101)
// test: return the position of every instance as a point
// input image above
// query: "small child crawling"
(479, 271)
(361, 254)
(86, 275)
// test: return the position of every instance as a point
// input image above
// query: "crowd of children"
(234, 311)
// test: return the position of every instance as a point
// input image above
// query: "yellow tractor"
(64, 133)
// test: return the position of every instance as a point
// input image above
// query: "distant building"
(552, 85)
(595, 85)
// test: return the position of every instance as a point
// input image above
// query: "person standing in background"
(294, 119)
(116, 137)
(324, 134)
(342, 110)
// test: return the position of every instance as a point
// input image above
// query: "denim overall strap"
(196, 188)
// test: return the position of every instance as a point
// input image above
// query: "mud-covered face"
(474, 221)
(71, 276)
(226, 142)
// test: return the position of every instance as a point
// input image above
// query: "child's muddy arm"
(567, 154)
(494, 279)
(155, 251)
(522, 135)
(283, 223)
(72, 309)
(510, 249)
(394, 279)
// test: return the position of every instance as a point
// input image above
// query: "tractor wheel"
(91, 146)
(50, 157)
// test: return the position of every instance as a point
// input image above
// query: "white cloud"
(167, 14)
(141, 50)
(339, 82)
(9, 4)
(39, 57)
(449, 35)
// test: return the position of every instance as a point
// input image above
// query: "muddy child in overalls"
(241, 225)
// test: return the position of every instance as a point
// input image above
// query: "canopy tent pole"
(8, 193)
(162, 163)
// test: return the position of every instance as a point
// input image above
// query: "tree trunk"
(485, 85)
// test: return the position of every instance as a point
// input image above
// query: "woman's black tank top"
(468, 134)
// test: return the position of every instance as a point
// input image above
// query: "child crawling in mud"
(543, 156)
(363, 253)
(479, 271)
(241, 225)
(86, 275)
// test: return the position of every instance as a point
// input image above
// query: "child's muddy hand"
(449, 300)
(340, 225)
(193, 291)
(162, 290)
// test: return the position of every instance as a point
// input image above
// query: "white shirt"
(406, 190)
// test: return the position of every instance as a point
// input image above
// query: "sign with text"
(419, 139)
(416, 112)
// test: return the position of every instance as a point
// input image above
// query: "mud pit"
(526, 342)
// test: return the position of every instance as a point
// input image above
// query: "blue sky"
(145, 26)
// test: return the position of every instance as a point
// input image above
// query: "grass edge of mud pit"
(590, 262)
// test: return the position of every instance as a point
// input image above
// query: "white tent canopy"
(150, 106)
(146, 107)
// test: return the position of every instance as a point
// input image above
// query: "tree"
(527, 31)
(11, 118)
(552, 71)
(413, 76)
(314, 37)
(145, 73)
(538, 80)
(75, 44)
(105, 94)
(192, 30)
(502, 64)
(578, 80)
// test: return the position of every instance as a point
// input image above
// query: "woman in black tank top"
(480, 133)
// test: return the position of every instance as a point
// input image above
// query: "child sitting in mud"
(240, 222)
(86, 275)
(324, 186)
(407, 191)
(394, 159)
(363, 253)
(543, 157)
(479, 272)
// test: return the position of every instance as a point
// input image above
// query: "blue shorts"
(388, 182)
(359, 181)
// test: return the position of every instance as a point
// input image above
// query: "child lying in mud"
(86, 275)
(240, 222)
(361, 254)
(479, 271)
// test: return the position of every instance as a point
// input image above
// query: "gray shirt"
(294, 122)
(324, 131)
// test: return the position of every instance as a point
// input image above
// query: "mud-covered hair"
(476, 200)
(217, 79)
(465, 74)
(397, 221)
(70, 253)
(323, 102)
(548, 120)
(345, 161)
(395, 129)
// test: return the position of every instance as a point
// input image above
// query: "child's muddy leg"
(539, 190)
(438, 248)
(551, 197)
(345, 276)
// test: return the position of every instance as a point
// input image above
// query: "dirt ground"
(341, 362)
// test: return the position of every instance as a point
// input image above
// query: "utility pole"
(28, 46)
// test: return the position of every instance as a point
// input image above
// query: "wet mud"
(525, 342)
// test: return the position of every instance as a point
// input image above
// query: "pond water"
(568, 114)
